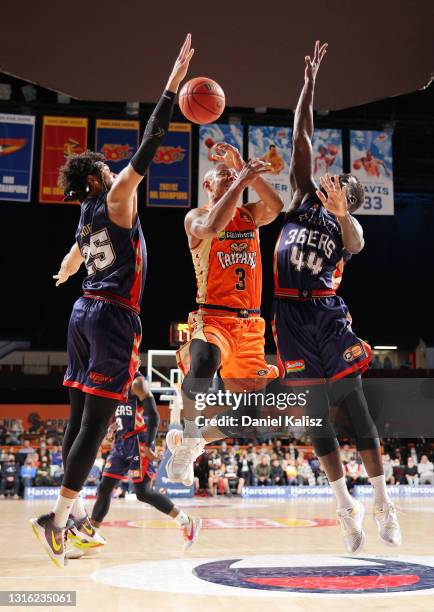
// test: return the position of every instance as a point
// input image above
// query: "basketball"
(209, 142)
(333, 150)
(357, 165)
(202, 100)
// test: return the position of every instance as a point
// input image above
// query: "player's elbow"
(356, 246)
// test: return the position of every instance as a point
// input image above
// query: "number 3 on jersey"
(99, 253)
(241, 279)
(313, 261)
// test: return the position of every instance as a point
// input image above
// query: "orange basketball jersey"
(228, 268)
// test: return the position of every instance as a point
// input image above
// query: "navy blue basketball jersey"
(115, 257)
(308, 252)
(130, 418)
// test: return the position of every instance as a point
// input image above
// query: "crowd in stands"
(35, 459)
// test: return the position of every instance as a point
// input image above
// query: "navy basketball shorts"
(103, 348)
(127, 456)
(315, 341)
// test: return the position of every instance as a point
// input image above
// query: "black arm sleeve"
(155, 132)
(151, 413)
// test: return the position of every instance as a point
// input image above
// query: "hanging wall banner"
(16, 157)
(371, 162)
(169, 176)
(327, 152)
(209, 135)
(273, 145)
(117, 141)
(61, 137)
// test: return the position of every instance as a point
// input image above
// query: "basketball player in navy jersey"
(135, 430)
(104, 330)
(315, 342)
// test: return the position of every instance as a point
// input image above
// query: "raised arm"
(201, 223)
(270, 204)
(301, 169)
(70, 265)
(121, 197)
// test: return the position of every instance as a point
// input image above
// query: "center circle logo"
(279, 576)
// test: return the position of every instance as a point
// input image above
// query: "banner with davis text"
(61, 137)
(169, 176)
(273, 145)
(117, 140)
(327, 153)
(16, 157)
(372, 163)
(209, 135)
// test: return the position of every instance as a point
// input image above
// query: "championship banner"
(169, 176)
(209, 135)
(371, 162)
(117, 141)
(61, 137)
(16, 156)
(327, 153)
(273, 145)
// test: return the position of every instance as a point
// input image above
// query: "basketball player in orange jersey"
(371, 165)
(227, 331)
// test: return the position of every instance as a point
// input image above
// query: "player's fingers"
(322, 51)
(185, 47)
(190, 55)
(324, 183)
(321, 196)
(329, 182)
(336, 182)
(316, 52)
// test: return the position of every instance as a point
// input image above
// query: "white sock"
(343, 498)
(78, 509)
(62, 510)
(181, 518)
(380, 492)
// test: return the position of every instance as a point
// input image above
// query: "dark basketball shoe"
(83, 534)
(51, 537)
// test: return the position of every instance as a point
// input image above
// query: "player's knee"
(364, 444)
(324, 445)
(204, 359)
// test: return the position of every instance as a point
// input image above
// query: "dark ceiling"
(123, 51)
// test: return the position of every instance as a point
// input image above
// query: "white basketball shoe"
(351, 521)
(387, 523)
(184, 453)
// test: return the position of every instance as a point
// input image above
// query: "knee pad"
(352, 409)
(204, 362)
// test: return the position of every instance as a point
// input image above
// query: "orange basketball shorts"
(241, 343)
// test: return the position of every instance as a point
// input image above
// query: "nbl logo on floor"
(279, 576)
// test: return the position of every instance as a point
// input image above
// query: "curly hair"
(73, 174)
(355, 191)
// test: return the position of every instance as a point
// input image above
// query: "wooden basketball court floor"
(270, 545)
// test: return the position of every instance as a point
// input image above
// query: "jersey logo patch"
(239, 247)
(295, 366)
(99, 378)
(354, 352)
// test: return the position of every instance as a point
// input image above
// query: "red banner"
(61, 137)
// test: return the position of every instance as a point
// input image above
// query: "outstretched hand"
(312, 64)
(251, 171)
(228, 155)
(180, 67)
(336, 199)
